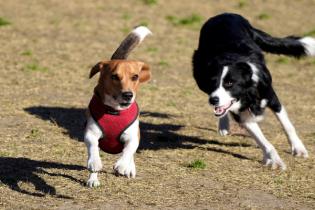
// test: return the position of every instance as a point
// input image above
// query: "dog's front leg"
(125, 165)
(92, 135)
(224, 126)
(271, 157)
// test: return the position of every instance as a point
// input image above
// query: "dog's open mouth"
(219, 111)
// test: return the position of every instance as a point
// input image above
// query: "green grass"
(27, 53)
(35, 133)
(263, 16)
(242, 3)
(126, 16)
(197, 164)
(283, 60)
(150, 2)
(184, 21)
(4, 22)
(152, 49)
(35, 67)
(163, 63)
(310, 33)
(144, 23)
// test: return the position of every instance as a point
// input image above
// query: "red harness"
(112, 123)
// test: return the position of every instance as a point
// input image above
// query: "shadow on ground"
(16, 171)
(154, 136)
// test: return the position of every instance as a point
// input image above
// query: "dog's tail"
(134, 38)
(292, 46)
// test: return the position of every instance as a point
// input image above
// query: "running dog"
(113, 114)
(229, 66)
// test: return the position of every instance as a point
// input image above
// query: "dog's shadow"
(153, 136)
(16, 171)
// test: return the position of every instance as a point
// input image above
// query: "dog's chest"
(112, 123)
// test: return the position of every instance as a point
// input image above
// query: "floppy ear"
(145, 73)
(97, 68)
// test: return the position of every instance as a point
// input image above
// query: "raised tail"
(134, 38)
(292, 46)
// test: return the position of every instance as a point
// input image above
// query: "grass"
(27, 53)
(152, 49)
(242, 3)
(4, 22)
(163, 63)
(283, 60)
(310, 33)
(263, 16)
(197, 164)
(35, 67)
(150, 2)
(126, 16)
(34, 133)
(192, 19)
(177, 127)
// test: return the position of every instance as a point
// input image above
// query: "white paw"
(299, 151)
(94, 164)
(125, 167)
(223, 132)
(272, 159)
(93, 181)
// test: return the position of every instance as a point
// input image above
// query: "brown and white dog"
(116, 91)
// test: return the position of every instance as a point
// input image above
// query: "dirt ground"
(46, 51)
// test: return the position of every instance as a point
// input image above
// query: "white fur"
(94, 164)
(141, 32)
(224, 96)
(309, 45)
(297, 147)
(224, 125)
(125, 165)
(271, 157)
(255, 71)
(263, 103)
(114, 103)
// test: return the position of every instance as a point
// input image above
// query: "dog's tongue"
(219, 110)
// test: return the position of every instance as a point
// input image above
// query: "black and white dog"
(229, 66)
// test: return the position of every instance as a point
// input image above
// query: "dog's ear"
(97, 68)
(145, 73)
(245, 70)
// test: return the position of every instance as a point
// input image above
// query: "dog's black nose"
(127, 95)
(214, 100)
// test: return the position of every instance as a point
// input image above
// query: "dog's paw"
(94, 164)
(223, 132)
(125, 167)
(93, 181)
(299, 151)
(273, 160)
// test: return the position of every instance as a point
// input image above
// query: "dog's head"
(119, 81)
(231, 86)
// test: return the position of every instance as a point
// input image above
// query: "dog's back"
(223, 33)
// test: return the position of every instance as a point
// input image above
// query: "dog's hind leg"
(224, 125)
(271, 157)
(297, 146)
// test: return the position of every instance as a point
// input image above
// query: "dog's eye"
(115, 77)
(135, 77)
(228, 84)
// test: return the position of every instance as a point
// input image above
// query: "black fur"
(230, 40)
